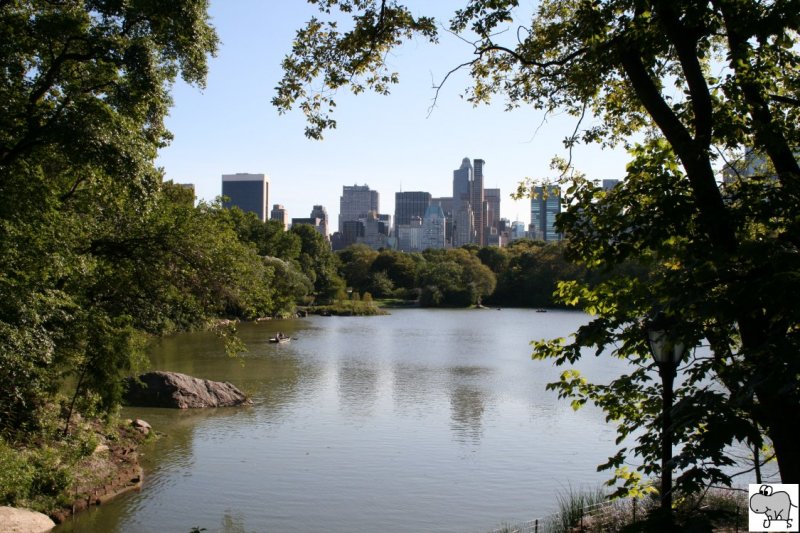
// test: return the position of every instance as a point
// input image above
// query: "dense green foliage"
(686, 81)
(96, 253)
(525, 274)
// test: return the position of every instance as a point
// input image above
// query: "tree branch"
(685, 42)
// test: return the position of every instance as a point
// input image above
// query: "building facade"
(408, 205)
(322, 214)
(462, 231)
(248, 192)
(476, 199)
(356, 201)
(545, 205)
(280, 214)
(433, 228)
(315, 222)
(409, 236)
(492, 212)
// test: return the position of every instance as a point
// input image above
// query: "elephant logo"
(771, 507)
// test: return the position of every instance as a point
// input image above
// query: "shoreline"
(112, 470)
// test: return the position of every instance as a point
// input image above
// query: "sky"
(390, 143)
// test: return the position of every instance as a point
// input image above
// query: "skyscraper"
(463, 221)
(476, 199)
(322, 214)
(248, 192)
(408, 205)
(545, 205)
(492, 211)
(433, 227)
(280, 214)
(356, 202)
(462, 181)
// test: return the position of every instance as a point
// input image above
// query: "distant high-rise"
(409, 236)
(462, 218)
(408, 205)
(280, 214)
(356, 202)
(433, 227)
(476, 199)
(322, 214)
(492, 211)
(248, 192)
(446, 203)
(518, 230)
(314, 222)
(609, 184)
(462, 181)
(545, 205)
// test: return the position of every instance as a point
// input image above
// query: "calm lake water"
(421, 421)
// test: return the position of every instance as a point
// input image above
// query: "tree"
(398, 266)
(317, 261)
(356, 262)
(454, 278)
(269, 237)
(723, 261)
(85, 88)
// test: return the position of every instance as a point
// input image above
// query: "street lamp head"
(664, 347)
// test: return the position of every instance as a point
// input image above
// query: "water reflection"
(358, 387)
(364, 424)
(467, 403)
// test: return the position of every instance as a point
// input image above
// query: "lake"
(420, 421)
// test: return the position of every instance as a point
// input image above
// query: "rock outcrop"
(13, 520)
(170, 389)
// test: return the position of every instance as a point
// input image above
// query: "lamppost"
(667, 352)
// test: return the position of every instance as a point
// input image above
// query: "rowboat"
(279, 340)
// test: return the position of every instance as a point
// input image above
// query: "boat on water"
(279, 339)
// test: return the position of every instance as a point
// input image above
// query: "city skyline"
(392, 143)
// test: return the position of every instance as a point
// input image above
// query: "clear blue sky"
(387, 142)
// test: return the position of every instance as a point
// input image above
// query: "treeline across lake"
(524, 274)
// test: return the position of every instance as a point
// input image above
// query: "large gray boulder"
(171, 389)
(13, 520)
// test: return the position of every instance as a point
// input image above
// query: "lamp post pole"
(667, 353)
(667, 370)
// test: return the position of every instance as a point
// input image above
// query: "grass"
(589, 510)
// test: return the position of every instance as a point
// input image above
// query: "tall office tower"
(409, 236)
(462, 180)
(248, 192)
(408, 205)
(518, 230)
(322, 214)
(386, 220)
(476, 200)
(462, 218)
(492, 211)
(446, 203)
(356, 202)
(433, 228)
(280, 214)
(463, 231)
(545, 205)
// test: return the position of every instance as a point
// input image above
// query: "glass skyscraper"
(248, 192)
(545, 205)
